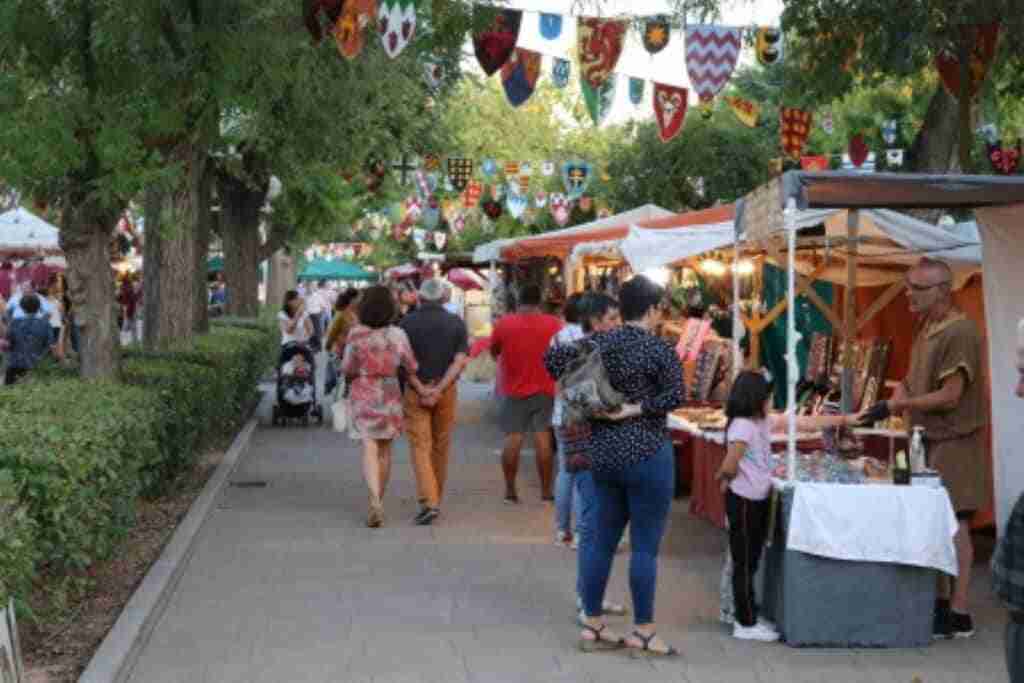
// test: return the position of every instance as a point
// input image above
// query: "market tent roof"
(485, 253)
(323, 269)
(23, 234)
(559, 243)
(682, 226)
(646, 249)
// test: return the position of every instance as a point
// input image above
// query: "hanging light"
(659, 276)
(713, 267)
(745, 267)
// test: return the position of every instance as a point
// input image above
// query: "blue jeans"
(640, 495)
(585, 501)
(566, 502)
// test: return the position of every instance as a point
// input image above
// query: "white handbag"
(339, 415)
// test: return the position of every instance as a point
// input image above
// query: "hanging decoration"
(540, 200)
(576, 177)
(450, 210)
(519, 75)
(313, 11)
(516, 202)
(433, 74)
(459, 224)
(711, 54)
(560, 209)
(440, 240)
(894, 157)
(828, 123)
(768, 45)
(493, 209)
(495, 45)
(422, 185)
(560, 72)
(525, 168)
(489, 168)
(600, 46)
(657, 33)
(471, 197)
(1005, 160)
(460, 172)
(419, 237)
(796, 127)
(890, 131)
(396, 21)
(670, 104)
(636, 91)
(511, 169)
(431, 162)
(548, 168)
(858, 150)
(431, 214)
(814, 163)
(497, 192)
(985, 39)
(550, 26)
(749, 113)
(350, 30)
(599, 102)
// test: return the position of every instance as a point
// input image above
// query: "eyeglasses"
(924, 288)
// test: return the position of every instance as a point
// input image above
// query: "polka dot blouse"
(647, 371)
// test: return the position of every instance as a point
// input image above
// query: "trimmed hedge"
(75, 456)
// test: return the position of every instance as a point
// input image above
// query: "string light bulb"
(745, 267)
(713, 267)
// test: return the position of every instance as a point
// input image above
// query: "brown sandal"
(599, 642)
(646, 651)
(375, 517)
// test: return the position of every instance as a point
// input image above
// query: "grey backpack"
(585, 388)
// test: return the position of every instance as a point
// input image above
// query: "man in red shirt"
(519, 343)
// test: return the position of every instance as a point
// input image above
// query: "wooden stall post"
(850, 308)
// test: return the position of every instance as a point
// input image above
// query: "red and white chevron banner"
(711, 55)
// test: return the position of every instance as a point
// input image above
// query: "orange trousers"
(430, 439)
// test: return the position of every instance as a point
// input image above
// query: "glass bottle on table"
(918, 459)
(901, 469)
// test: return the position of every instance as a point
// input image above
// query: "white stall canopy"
(646, 249)
(25, 235)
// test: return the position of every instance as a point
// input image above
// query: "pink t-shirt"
(754, 479)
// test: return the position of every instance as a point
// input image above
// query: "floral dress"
(372, 359)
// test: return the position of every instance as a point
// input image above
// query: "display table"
(855, 565)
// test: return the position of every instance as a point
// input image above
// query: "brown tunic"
(956, 439)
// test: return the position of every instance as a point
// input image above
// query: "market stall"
(324, 269)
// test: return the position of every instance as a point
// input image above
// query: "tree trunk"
(201, 310)
(240, 213)
(281, 278)
(85, 239)
(935, 147)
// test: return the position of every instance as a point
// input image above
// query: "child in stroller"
(296, 386)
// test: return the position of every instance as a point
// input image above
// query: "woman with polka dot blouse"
(633, 469)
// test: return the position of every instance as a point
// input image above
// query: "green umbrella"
(322, 269)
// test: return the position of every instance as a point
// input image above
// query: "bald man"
(1008, 561)
(942, 392)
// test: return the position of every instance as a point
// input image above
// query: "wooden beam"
(850, 306)
(879, 304)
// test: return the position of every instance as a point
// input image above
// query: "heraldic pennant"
(519, 75)
(460, 172)
(560, 72)
(1005, 160)
(749, 113)
(600, 46)
(494, 45)
(985, 42)
(711, 54)
(312, 11)
(551, 26)
(350, 31)
(670, 109)
(657, 33)
(796, 126)
(576, 177)
(396, 20)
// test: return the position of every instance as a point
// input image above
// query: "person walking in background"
(566, 503)
(519, 342)
(344, 320)
(316, 306)
(943, 393)
(1008, 561)
(375, 351)
(440, 344)
(56, 318)
(29, 339)
(128, 298)
(293, 321)
(14, 308)
(632, 465)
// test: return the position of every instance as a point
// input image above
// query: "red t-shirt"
(521, 339)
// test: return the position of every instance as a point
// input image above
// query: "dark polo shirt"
(437, 336)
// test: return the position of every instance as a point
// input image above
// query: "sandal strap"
(646, 640)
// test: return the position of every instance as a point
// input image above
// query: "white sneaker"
(575, 545)
(563, 538)
(608, 607)
(770, 625)
(758, 631)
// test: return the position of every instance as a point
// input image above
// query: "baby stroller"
(296, 395)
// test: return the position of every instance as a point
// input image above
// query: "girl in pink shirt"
(746, 476)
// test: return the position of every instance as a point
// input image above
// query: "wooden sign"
(12, 668)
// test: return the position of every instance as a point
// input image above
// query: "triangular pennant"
(670, 104)
(858, 150)
(431, 162)
(636, 90)
(828, 122)
(350, 30)
(524, 183)
(599, 102)
(550, 26)
(495, 45)
(749, 113)
(419, 237)
(894, 157)
(576, 177)
(313, 10)
(540, 200)
(1005, 160)
(890, 131)
(600, 46)
(396, 21)
(511, 169)
(985, 39)
(493, 209)
(548, 168)
(526, 168)
(560, 72)
(711, 54)
(560, 209)
(460, 171)
(796, 127)
(489, 168)
(768, 45)
(471, 197)
(440, 240)
(433, 74)
(586, 204)
(519, 75)
(517, 203)
(657, 33)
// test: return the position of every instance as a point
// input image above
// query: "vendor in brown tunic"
(943, 392)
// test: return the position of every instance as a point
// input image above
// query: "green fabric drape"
(808, 321)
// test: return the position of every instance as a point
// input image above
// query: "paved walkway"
(287, 585)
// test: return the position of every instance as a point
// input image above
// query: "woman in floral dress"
(375, 351)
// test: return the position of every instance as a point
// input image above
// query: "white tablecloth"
(912, 525)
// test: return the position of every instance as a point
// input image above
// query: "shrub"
(18, 549)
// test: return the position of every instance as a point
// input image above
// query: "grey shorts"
(526, 415)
